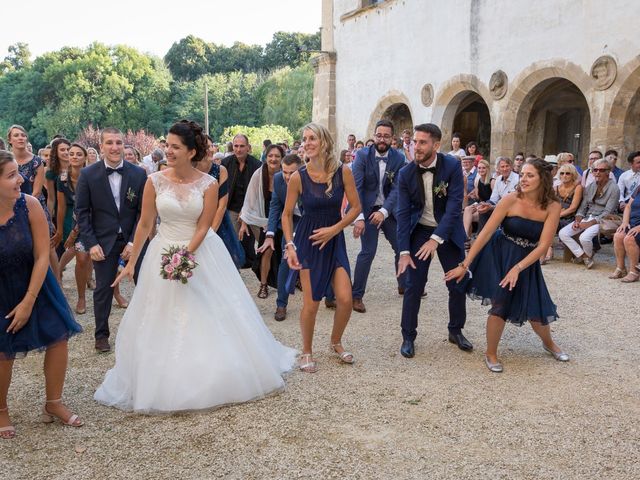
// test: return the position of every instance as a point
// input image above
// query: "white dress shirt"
(503, 187)
(115, 180)
(628, 183)
(382, 166)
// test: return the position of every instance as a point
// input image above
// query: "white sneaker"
(588, 262)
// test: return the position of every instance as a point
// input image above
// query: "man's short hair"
(431, 128)
(611, 152)
(631, 157)
(266, 143)
(112, 130)
(504, 159)
(157, 154)
(242, 135)
(598, 152)
(405, 131)
(351, 135)
(601, 161)
(291, 159)
(385, 123)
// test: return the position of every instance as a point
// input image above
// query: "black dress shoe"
(407, 349)
(463, 343)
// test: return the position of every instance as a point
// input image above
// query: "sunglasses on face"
(565, 173)
(600, 170)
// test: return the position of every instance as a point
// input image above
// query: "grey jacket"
(598, 207)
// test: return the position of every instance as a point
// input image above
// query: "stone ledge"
(364, 10)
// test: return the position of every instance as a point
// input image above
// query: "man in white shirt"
(629, 180)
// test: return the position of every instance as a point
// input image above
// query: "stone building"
(540, 77)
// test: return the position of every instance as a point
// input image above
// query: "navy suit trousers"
(369, 242)
(450, 255)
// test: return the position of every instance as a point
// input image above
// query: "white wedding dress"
(193, 346)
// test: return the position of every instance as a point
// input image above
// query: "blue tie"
(384, 159)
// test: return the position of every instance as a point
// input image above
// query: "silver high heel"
(345, 357)
(559, 356)
(494, 367)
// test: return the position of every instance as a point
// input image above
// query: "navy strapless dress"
(319, 210)
(51, 320)
(529, 300)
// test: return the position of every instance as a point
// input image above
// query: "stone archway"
(547, 111)
(393, 106)
(463, 105)
(623, 125)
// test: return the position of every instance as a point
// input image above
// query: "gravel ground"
(439, 415)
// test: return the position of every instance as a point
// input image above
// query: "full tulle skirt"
(193, 346)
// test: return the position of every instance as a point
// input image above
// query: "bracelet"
(290, 243)
(462, 265)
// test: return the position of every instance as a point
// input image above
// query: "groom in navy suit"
(375, 171)
(108, 204)
(429, 214)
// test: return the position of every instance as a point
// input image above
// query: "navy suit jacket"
(447, 208)
(98, 217)
(366, 173)
(276, 207)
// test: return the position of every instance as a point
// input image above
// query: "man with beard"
(374, 171)
(429, 216)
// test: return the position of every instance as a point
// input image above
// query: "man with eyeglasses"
(374, 171)
(629, 181)
(587, 176)
(600, 198)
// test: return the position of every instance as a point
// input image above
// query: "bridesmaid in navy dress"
(317, 251)
(34, 314)
(504, 266)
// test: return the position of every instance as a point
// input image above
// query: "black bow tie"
(114, 170)
(423, 170)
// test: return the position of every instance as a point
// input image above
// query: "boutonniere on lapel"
(440, 190)
(390, 175)
(131, 195)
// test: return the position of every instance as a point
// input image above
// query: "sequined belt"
(521, 242)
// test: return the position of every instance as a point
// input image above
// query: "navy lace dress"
(319, 210)
(29, 171)
(226, 231)
(51, 320)
(529, 300)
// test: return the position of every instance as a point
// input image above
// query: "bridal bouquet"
(178, 264)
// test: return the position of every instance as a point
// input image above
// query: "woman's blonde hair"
(11, 129)
(327, 156)
(487, 176)
(563, 158)
(569, 167)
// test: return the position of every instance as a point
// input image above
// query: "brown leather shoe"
(330, 303)
(358, 306)
(102, 345)
(281, 314)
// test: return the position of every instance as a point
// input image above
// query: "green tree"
(189, 58)
(289, 49)
(287, 97)
(19, 57)
(275, 133)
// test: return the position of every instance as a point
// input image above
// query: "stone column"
(324, 64)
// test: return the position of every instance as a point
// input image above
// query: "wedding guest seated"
(612, 156)
(506, 182)
(629, 181)
(600, 199)
(518, 161)
(587, 176)
(483, 186)
(626, 242)
(255, 216)
(469, 171)
(569, 192)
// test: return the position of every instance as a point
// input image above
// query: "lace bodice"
(179, 205)
(16, 244)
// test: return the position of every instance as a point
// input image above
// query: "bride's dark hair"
(193, 137)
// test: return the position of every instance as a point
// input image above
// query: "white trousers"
(586, 239)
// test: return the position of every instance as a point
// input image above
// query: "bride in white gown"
(197, 345)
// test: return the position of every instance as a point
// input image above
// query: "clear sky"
(151, 25)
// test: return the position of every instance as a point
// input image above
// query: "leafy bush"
(275, 133)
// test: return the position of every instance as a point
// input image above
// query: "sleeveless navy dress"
(226, 231)
(51, 320)
(319, 209)
(529, 300)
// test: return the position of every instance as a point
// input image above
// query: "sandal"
(91, 284)
(72, 421)
(264, 291)
(618, 273)
(120, 301)
(8, 432)
(631, 277)
(344, 356)
(307, 364)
